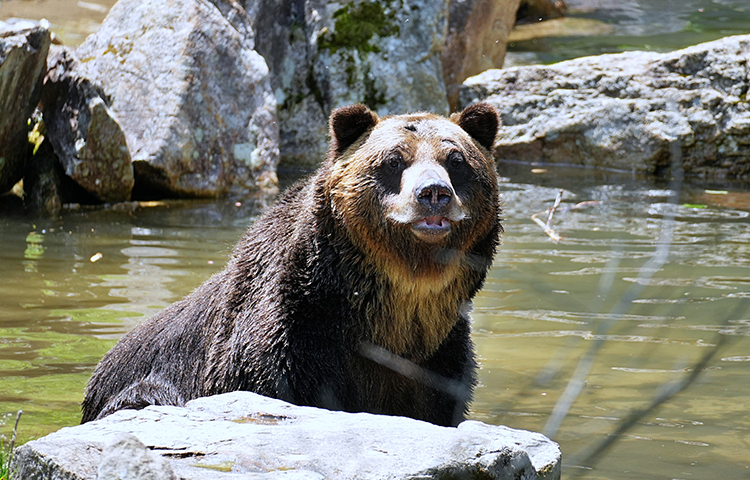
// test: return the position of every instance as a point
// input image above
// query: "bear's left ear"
(347, 124)
(481, 122)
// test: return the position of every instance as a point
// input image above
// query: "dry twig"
(550, 213)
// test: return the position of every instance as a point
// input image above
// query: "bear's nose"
(434, 193)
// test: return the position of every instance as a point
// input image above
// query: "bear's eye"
(456, 158)
(394, 161)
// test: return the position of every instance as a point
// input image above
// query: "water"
(61, 308)
(71, 20)
(70, 287)
(594, 27)
(545, 306)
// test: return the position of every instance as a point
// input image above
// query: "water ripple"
(719, 283)
(578, 318)
(588, 335)
(741, 358)
(660, 370)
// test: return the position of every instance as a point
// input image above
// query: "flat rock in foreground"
(241, 432)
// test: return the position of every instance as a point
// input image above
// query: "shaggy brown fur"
(351, 293)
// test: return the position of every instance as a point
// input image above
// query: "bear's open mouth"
(432, 227)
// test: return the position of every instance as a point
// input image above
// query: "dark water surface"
(70, 287)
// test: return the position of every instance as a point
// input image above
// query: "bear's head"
(416, 193)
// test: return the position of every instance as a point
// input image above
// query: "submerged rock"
(325, 54)
(22, 66)
(627, 111)
(83, 130)
(243, 433)
(191, 95)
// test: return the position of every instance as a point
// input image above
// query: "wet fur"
(321, 277)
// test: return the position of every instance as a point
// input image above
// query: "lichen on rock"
(324, 54)
(356, 24)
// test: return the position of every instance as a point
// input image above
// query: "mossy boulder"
(325, 54)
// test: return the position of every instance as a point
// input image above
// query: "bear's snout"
(428, 202)
(434, 194)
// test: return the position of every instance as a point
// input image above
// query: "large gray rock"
(191, 95)
(83, 130)
(22, 66)
(625, 111)
(243, 433)
(325, 54)
(127, 458)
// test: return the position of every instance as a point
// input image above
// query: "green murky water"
(547, 305)
(70, 287)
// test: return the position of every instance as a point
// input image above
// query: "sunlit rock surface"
(22, 64)
(325, 54)
(626, 111)
(191, 94)
(243, 433)
(83, 130)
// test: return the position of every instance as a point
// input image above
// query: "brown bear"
(351, 293)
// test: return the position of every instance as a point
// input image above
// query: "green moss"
(357, 24)
(296, 32)
(314, 88)
(354, 29)
(351, 70)
(373, 96)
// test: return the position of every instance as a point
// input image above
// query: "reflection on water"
(548, 304)
(594, 27)
(69, 288)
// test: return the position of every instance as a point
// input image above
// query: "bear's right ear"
(481, 122)
(347, 124)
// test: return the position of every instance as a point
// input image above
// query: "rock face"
(477, 35)
(325, 54)
(191, 95)
(625, 111)
(126, 457)
(240, 432)
(22, 66)
(85, 134)
(44, 183)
